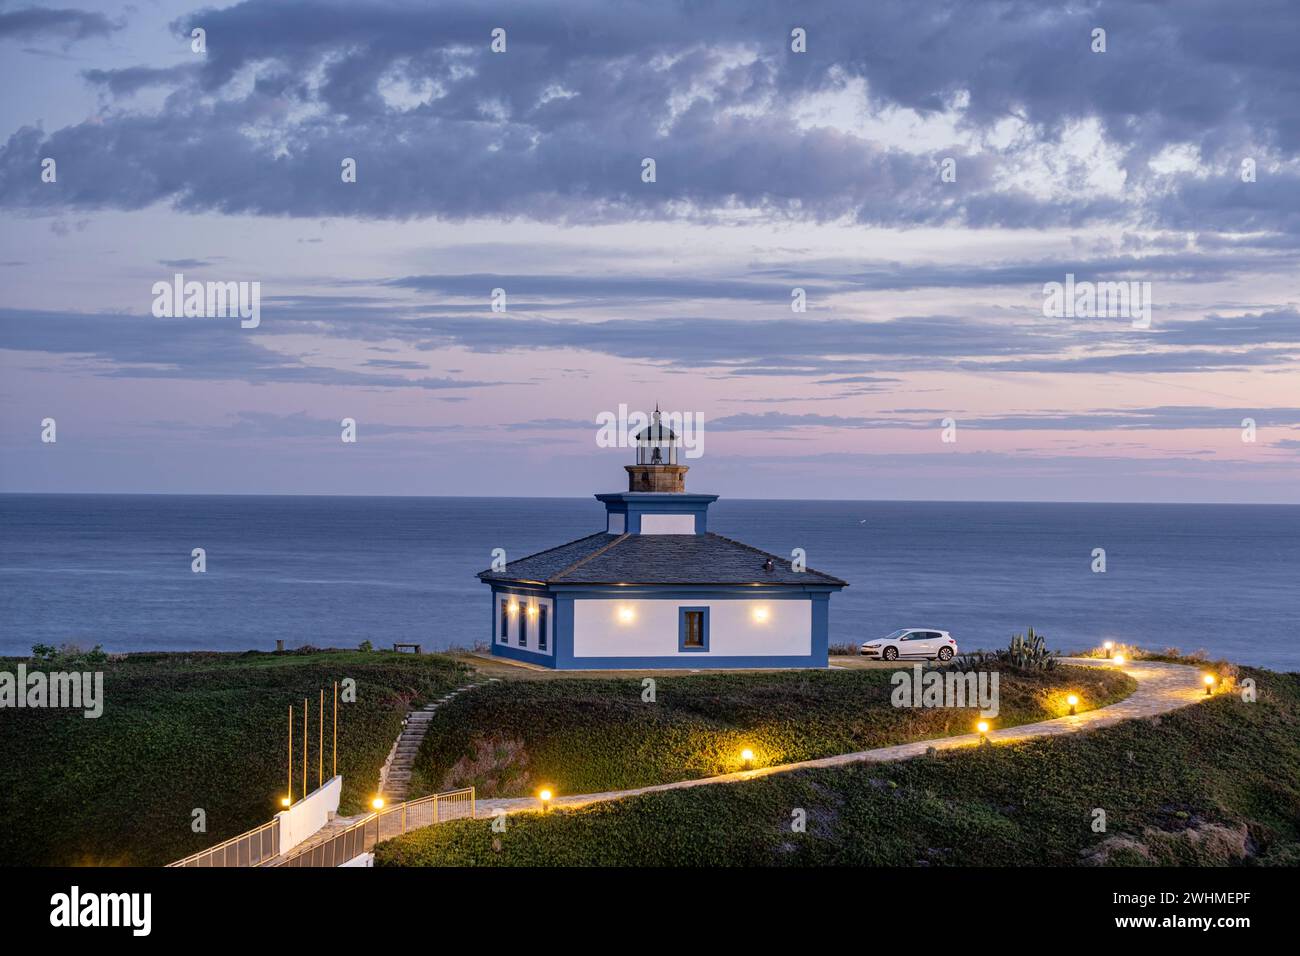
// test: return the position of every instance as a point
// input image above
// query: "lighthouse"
(656, 589)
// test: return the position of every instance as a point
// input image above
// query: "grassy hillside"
(181, 731)
(1215, 783)
(582, 735)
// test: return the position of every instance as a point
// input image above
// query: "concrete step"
(415, 725)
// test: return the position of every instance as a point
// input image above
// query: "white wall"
(668, 524)
(533, 622)
(308, 815)
(598, 630)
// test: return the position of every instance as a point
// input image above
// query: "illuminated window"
(693, 629)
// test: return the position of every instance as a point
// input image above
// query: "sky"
(921, 170)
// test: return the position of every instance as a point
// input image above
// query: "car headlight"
(870, 645)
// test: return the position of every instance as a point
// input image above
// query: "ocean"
(334, 571)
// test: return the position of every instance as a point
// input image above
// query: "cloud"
(66, 24)
(188, 263)
(1158, 418)
(120, 346)
(259, 424)
(859, 355)
(555, 128)
(130, 80)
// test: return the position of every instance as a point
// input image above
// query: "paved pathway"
(1161, 688)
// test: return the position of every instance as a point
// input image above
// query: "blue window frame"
(692, 629)
(504, 636)
(541, 627)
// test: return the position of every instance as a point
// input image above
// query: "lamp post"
(1209, 684)
(1073, 701)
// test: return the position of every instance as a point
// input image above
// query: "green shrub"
(194, 730)
(582, 735)
(1210, 784)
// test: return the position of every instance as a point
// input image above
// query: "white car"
(913, 642)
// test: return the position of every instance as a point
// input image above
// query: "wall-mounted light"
(532, 610)
(760, 615)
(514, 608)
(377, 803)
(626, 615)
(285, 801)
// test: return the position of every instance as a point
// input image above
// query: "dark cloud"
(1159, 418)
(132, 79)
(187, 263)
(555, 128)
(65, 24)
(831, 351)
(1162, 418)
(120, 346)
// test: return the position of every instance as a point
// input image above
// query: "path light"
(1073, 701)
(983, 728)
(1209, 684)
(545, 796)
(747, 758)
(1110, 647)
(377, 803)
(1119, 659)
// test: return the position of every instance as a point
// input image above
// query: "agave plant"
(1030, 651)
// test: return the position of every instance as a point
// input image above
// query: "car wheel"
(890, 654)
(945, 653)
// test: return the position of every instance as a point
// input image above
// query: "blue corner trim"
(522, 654)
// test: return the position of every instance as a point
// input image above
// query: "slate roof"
(656, 559)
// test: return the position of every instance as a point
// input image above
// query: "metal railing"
(248, 849)
(361, 837)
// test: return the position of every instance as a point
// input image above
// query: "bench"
(414, 648)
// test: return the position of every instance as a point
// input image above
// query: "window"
(693, 629)
(504, 637)
(523, 626)
(541, 627)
